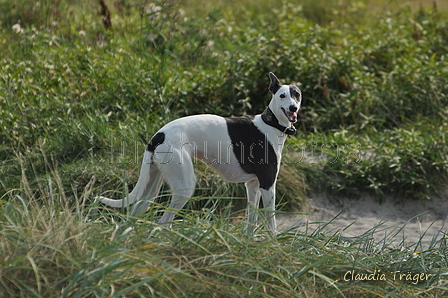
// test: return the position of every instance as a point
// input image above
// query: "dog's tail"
(125, 202)
(140, 190)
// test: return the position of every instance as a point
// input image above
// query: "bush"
(401, 163)
(72, 85)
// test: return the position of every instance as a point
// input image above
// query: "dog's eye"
(282, 95)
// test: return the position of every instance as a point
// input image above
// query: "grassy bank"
(83, 88)
(49, 249)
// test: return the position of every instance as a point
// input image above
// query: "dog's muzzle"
(291, 114)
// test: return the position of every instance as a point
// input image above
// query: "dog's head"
(286, 98)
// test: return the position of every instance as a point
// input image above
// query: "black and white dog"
(241, 149)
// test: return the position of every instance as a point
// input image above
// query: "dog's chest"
(257, 152)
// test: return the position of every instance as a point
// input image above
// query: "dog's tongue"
(292, 116)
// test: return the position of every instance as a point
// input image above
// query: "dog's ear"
(275, 83)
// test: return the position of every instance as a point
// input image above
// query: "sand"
(414, 223)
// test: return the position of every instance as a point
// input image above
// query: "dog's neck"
(270, 119)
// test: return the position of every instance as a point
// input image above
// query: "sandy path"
(408, 223)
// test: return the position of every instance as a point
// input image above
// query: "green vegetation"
(82, 90)
(49, 249)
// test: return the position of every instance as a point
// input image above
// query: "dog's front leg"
(253, 200)
(269, 207)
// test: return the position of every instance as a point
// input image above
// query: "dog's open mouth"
(292, 116)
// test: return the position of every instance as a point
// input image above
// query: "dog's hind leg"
(179, 174)
(151, 191)
(253, 201)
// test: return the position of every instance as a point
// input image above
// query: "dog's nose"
(293, 108)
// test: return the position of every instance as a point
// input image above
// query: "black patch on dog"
(295, 92)
(156, 140)
(254, 152)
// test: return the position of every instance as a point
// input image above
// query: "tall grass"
(51, 249)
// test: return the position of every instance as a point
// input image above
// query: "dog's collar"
(270, 119)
